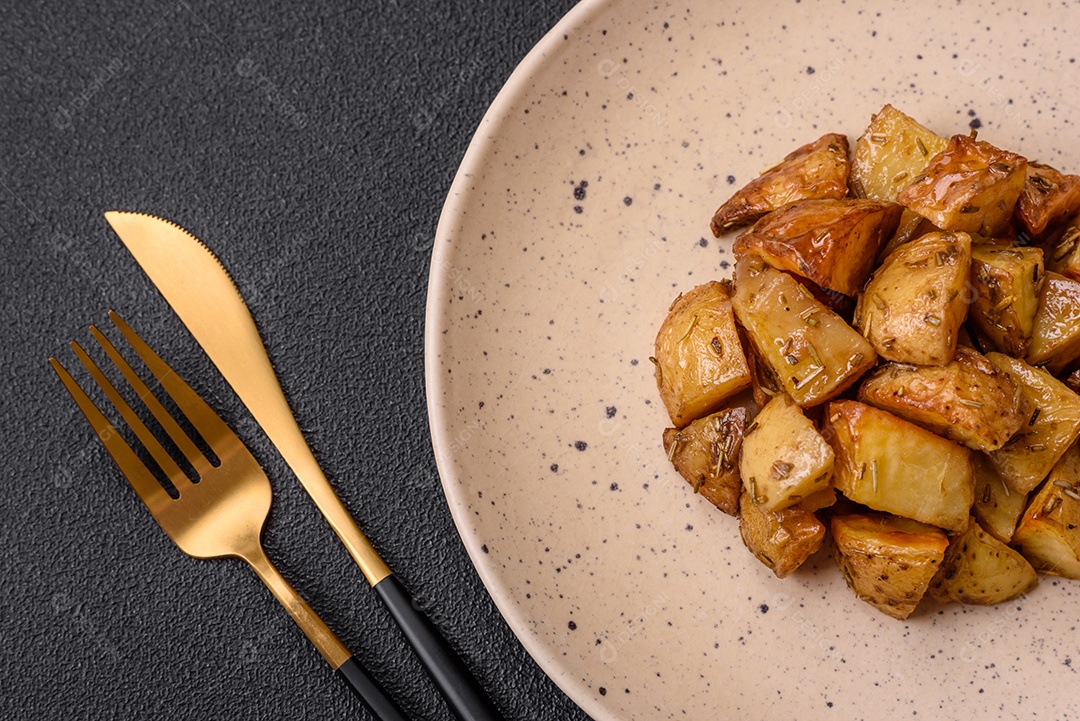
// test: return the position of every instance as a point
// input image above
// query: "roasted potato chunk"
(979, 569)
(890, 154)
(706, 453)
(784, 459)
(782, 540)
(699, 362)
(816, 170)
(969, 186)
(813, 354)
(1064, 255)
(891, 465)
(1053, 423)
(996, 507)
(967, 400)
(1049, 532)
(887, 561)
(913, 306)
(1006, 282)
(1049, 196)
(1055, 340)
(834, 243)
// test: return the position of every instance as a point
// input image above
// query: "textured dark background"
(311, 145)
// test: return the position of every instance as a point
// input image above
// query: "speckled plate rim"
(439, 289)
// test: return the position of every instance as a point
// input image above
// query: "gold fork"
(220, 515)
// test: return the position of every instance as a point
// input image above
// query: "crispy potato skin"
(979, 569)
(1029, 455)
(1049, 196)
(887, 561)
(707, 455)
(996, 508)
(699, 361)
(784, 459)
(891, 465)
(832, 242)
(892, 151)
(914, 305)
(1006, 282)
(816, 170)
(782, 540)
(969, 186)
(1055, 339)
(828, 354)
(1063, 256)
(968, 400)
(1049, 531)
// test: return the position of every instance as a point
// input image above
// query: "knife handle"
(458, 686)
(370, 692)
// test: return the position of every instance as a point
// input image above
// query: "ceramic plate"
(581, 209)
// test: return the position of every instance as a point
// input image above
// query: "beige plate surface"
(581, 209)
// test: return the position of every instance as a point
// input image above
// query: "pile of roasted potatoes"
(896, 361)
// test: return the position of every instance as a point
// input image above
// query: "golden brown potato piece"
(816, 170)
(1055, 340)
(782, 540)
(1006, 282)
(967, 400)
(706, 453)
(1064, 255)
(891, 465)
(1053, 413)
(889, 155)
(914, 305)
(887, 561)
(1049, 196)
(979, 569)
(1049, 532)
(970, 186)
(811, 351)
(784, 459)
(832, 242)
(699, 362)
(996, 507)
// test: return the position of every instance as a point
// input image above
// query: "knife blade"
(204, 296)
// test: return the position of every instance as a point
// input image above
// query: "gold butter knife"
(203, 294)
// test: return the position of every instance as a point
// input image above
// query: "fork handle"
(458, 686)
(329, 646)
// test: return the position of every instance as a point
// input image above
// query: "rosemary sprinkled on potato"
(677, 299)
(932, 320)
(922, 147)
(969, 208)
(878, 301)
(782, 470)
(1072, 494)
(1034, 416)
(1036, 448)
(834, 418)
(967, 402)
(659, 371)
(1062, 484)
(986, 494)
(804, 291)
(810, 376)
(783, 298)
(717, 346)
(689, 328)
(790, 357)
(879, 139)
(674, 447)
(1003, 167)
(899, 176)
(751, 428)
(698, 483)
(874, 474)
(1051, 505)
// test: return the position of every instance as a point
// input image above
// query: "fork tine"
(138, 475)
(144, 434)
(194, 456)
(208, 423)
